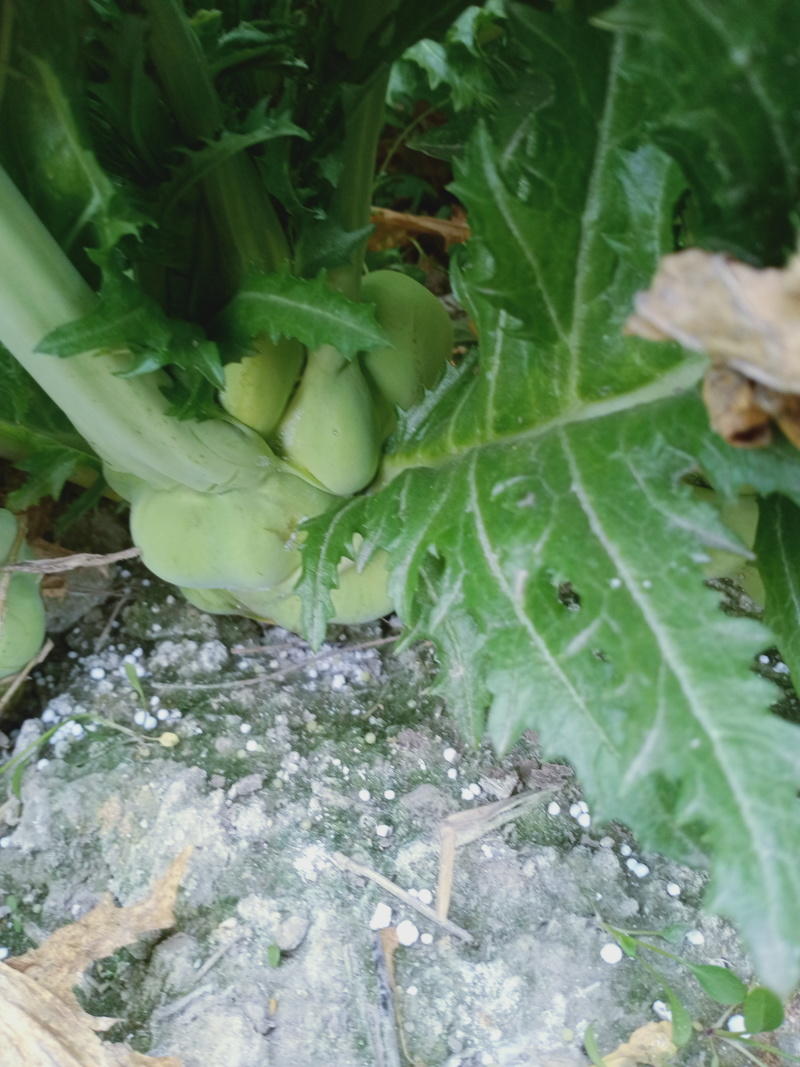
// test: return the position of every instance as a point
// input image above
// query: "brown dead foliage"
(41, 1021)
(747, 320)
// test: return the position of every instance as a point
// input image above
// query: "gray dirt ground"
(350, 752)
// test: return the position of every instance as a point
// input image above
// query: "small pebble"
(606, 842)
(5, 842)
(97, 673)
(382, 830)
(162, 714)
(449, 754)
(245, 727)
(389, 794)
(475, 789)
(139, 717)
(662, 1011)
(452, 773)
(736, 1024)
(611, 953)
(615, 583)
(467, 794)
(169, 740)
(407, 933)
(673, 889)
(338, 681)
(381, 917)
(426, 939)
(252, 746)
(150, 722)
(641, 870)
(41, 764)
(412, 991)
(364, 794)
(426, 896)
(553, 808)
(584, 819)
(694, 937)
(625, 850)
(574, 810)
(3, 953)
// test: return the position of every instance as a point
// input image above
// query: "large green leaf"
(778, 550)
(534, 510)
(727, 72)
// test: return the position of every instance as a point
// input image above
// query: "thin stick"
(70, 563)
(100, 642)
(344, 863)
(273, 675)
(19, 678)
(215, 957)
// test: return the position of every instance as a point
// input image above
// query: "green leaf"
(273, 956)
(726, 83)
(133, 678)
(763, 1011)
(284, 306)
(779, 566)
(590, 1044)
(127, 318)
(49, 467)
(721, 984)
(681, 1019)
(201, 162)
(560, 457)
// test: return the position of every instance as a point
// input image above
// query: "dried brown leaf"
(651, 1044)
(41, 1020)
(748, 323)
(742, 317)
(37, 1028)
(393, 229)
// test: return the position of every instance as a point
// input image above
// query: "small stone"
(364, 794)
(662, 1010)
(553, 808)
(291, 933)
(407, 933)
(736, 1024)
(97, 673)
(425, 896)
(611, 953)
(169, 740)
(412, 991)
(383, 830)
(694, 937)
(673, 889)
(389, 794)
(217, 781)
(381, 917)
(426, 939)
(449, 754)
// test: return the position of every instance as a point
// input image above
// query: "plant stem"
(123, 419)
(353, 198)
(247, 226)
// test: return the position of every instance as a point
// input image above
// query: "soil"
(271, 763)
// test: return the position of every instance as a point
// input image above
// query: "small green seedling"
(17, 764)
(133, 678)
(761, 1009)
(274, 956)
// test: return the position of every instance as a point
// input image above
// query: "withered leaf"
(650, 1044)
(747, 321)
(41, 1020)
